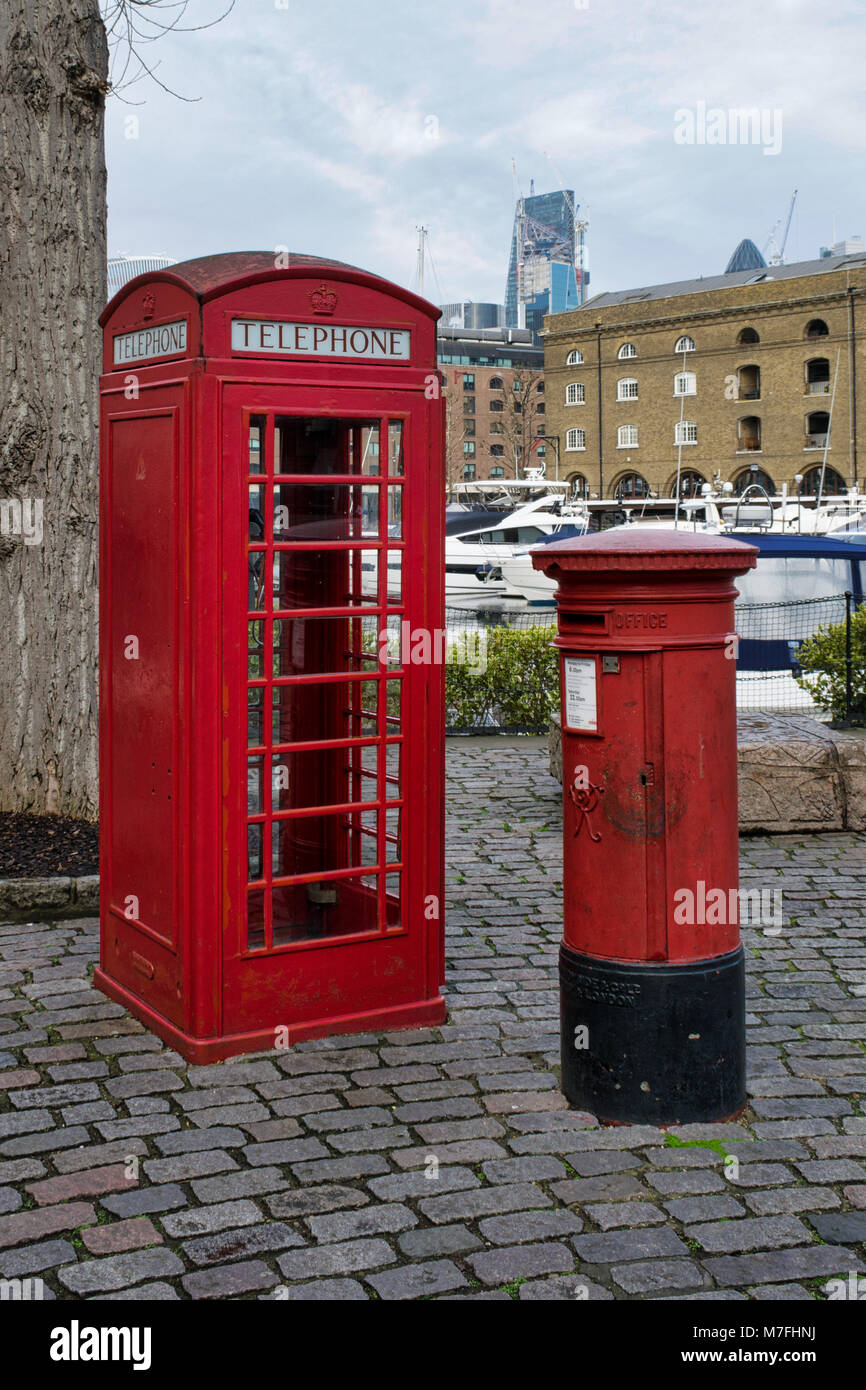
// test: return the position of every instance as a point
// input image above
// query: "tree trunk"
(53, 80)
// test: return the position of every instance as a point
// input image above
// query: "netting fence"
(805, 656)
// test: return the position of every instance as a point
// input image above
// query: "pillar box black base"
(654, 1044)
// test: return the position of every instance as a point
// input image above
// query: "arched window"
(834, 483)
(626, 437)
(574, 357)
(691, 484)
(685, 384)
(685, 344)
(749, 435)
(757, 476)
(627, 350)
(631, 485)
(495, 383)
(685, 432)
(817, 429)
(816, 328)
(749, 383)
(575, 439)
(579, 485)
(818, 377)
(575, 393)
(747, 335)
(626, 388)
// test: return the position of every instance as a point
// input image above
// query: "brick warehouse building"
(738, 367)
(494, 402)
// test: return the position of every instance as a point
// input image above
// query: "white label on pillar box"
(321, 340)
(162, 341)
(581, 697)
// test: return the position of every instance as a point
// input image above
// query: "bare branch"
(130, 24)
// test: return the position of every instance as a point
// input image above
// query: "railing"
(816, 441)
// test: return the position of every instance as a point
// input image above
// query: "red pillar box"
(651, 966)
(272, 476)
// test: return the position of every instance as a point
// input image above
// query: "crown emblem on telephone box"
(323, 300)
(148, 304)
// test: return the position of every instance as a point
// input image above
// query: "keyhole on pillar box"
(647, 777)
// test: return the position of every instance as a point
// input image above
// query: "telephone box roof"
(207, 277)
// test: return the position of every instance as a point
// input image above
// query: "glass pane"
(323, 646)
(257, 444)
(256, 530)
(330, 512)
(255, 649)
(393, 906)
(254, 852)
(319, 777)
(325, 578)
(395, 448)
(321, 844)
(395, 513)
(256, 578)
(395, 576)
(255, 789)
(255, 715)
(256, 919)
(313, 911)
(323, 445)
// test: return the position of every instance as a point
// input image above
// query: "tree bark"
(53, 81)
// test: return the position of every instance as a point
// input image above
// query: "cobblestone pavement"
(444, 1162)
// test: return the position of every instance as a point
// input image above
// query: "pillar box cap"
(626, 553)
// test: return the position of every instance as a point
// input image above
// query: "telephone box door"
(331, 703)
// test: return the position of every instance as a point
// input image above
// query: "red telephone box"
(272, 483)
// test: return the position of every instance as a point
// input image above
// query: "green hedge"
(518, 688)
(823, 656)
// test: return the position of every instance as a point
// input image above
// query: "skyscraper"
(545, 270)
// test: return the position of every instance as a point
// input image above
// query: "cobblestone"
(442, 1162)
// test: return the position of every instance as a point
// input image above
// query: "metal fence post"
(848, 700)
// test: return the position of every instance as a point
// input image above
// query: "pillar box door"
(272, 755)
(651, 967)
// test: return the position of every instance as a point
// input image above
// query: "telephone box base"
(201, 1051)
(655, 1044)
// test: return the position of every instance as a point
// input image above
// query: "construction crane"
(778, 254)
(581, 227)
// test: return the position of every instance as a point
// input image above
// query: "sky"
(338, 128)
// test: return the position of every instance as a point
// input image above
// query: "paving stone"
(792, 1199)
(417, 1280)
(483, 1201)
(227, 1281)
(36, 1259)
(781, 1293)
(311, 1201)
(689, 1180)
(616, 1246)
(612, 1187)
(24, 1227)
(345, 1258)
(574, 1288)
(603, 1161)
(250, 1182)
(522, 1227)
(199, 1221)
(432, 1182)
(521, 1262)
(752, 1233)
(439, 1240)
(117, 1271)
(782, 1266)
(386, 1218)
(324, 1291)
(96, 1155)
(610, 1214)
(832, 1170)
(688, 1209)
(651, 1276)
(161, 1197)
(842, 1227)
(197, 1140)
(120, 1236)
(93, 1182)
(157, 1292)
(243, 1241)
(340, 1169)
(532, 1168)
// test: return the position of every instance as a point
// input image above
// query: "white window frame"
(691, 380)
(685, 432)
(574, 358)
(627, 437)
(626, 350)
(575, 393)
(627, 395)
(685, 344)
(579, 445)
